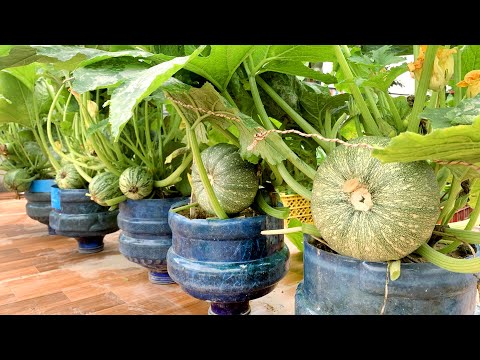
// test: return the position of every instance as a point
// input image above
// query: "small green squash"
(17, 180)
(103, 187)
(373, 211)
(136, 182)
(234, 180)
(67, 177)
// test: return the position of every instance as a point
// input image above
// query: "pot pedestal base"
(51, 231)
(160, 278)
(90, 245)
(236, 308)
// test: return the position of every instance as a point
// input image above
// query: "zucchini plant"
(257, 98)
(25, 97)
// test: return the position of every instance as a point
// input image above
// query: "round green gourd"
(104, 186)
(233, 179)
(17, 180)
(136, 182)
(373, 211)
(67, 177)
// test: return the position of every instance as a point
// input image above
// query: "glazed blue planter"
(38, 205)
(226, 262)
(339, 285)
(75, 215)
(146, 236)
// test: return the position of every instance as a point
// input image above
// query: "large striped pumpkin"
(373, 211)
(233, 179)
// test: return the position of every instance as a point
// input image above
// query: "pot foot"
(90, 245)
(238, 308)
(160, 278)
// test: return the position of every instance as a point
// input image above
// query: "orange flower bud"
(472, 82)
(443, 66)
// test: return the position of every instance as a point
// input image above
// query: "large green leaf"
(27, 74)
(462, 114)
(129, 94)
(384, 79)
(264, 54)
(398, 50)
(314, 99)
(16, 55)
(470, 59)
(437, 116)
(460, 143)
(72, 57)
(108, 73)
(219, 66)
(299, 69)
(465, 112)
(5, 50)
(377, 58)
(15, 99)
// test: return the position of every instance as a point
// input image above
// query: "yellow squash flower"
(472, 82)
(443, 66)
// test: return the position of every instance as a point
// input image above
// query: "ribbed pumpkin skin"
(136, 182)
(405, 198)
(69, 178)
(104, 186)
(233, 179)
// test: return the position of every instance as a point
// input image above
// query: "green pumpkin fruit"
(234, 180)
(373, 211)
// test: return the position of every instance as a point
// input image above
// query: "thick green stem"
(136, 152)
(357, 95)
(52, 95)
(185, 207)
(83, 174)
(278, 178)
(174, 176)
(394, 111)
(474, 215)
(447, 209)
(53, 161)
(358, 126)
(457, 75)
(138, 142)
(197, 158)
(433, 100)
(227, 96)
(294, 185)
(416, 52)
(441, 99)
(276, 212)
(115, 201)
(421, 92)
(338, 124)
(279, 146)
(373, 106)
(466, 266)
(299, 120)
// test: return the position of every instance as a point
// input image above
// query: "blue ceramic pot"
(38, 205)
(227, 262)
(75, 215)
(339, 285)
(146, 236)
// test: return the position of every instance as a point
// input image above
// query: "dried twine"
(261, 135)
